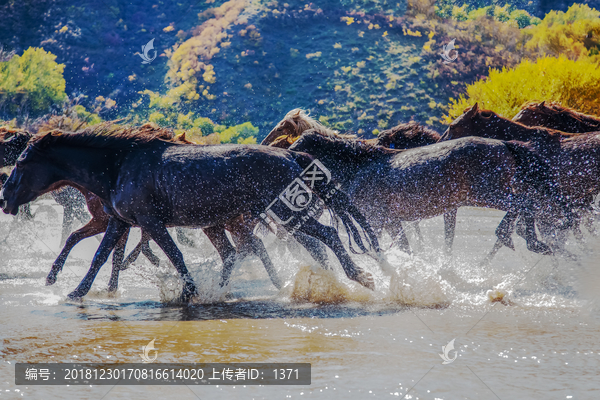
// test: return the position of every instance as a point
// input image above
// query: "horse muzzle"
(6, 208)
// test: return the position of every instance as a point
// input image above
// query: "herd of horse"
(542, 168)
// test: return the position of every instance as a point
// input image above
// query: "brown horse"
(391, 186)
(556, 116)
(574, 158)
(147, 182)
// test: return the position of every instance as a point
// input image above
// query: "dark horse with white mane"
(390, 186)
(151, 183)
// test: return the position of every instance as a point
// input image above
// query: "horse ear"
(473, 110)
(542, 104)
(47, 139)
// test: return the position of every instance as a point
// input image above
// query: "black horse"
(390, 186)
(148, 182)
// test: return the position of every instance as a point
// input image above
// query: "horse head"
(31, 177)
(488, 124)
(293, 126)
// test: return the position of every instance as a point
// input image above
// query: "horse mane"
(553, 108)
(302, 122)
(8, 131)
(107, 135)
(411, 133)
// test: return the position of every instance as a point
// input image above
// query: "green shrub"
(31, 84)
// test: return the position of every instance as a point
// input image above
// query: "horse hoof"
(365, 279)
(507, 241)
(76, 295)
(540, 248)
(188, 293)
(50, 280)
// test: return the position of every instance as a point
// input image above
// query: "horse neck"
(87, 169)
(348, 158)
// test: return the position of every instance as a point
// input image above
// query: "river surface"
(541, 341)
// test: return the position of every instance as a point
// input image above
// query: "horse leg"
(505, 229)
(183, 239)
(417, 229)
(158, 232)
(241, 232)
(116, 228)
(449, 229)
(256, 246)
(94, 227)
(329, 236)
(488, 259)
(532, 243)
(398, 234)
(503, 232)
(228, 254)
(118, 255)
(142, 247)
(68, 217)
(147, 251)
(316, 249)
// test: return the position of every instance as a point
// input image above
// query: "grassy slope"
(101, 39)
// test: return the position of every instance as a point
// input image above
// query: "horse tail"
(341, 206)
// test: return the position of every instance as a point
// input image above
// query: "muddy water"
(539, 342)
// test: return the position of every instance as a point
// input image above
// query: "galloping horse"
(390, 186)
(242, 237)
(574, 158)
(408, 136)
(556, 116)
(147, 182)
(403, 136)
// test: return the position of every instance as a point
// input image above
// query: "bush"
(572, 83)
(31, 84)
(574, 33)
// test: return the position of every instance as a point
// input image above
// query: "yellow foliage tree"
(191, 59)
(574, 33)
(573, 83)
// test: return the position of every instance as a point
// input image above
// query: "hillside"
(358, 65)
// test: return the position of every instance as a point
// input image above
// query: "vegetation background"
(228, 71)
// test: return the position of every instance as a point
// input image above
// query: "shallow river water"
(539, 342)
